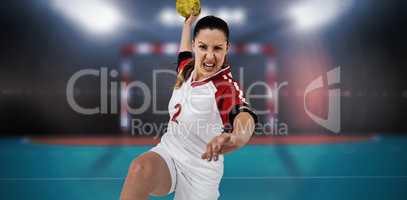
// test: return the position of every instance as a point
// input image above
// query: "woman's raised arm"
(185, 44)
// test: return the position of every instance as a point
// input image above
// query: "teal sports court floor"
(374, 168)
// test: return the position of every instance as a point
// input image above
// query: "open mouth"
(208, 66)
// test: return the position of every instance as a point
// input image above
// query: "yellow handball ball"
(188, 7)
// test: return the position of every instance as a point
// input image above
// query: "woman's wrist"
(232, 143)
(233, 140)
(187, 25)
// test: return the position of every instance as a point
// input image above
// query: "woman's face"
(210, 48)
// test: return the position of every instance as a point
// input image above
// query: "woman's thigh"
(153, 169)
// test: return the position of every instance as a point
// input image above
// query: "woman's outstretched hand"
(218, 145)
(243, 128)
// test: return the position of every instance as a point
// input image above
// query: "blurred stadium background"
(45, 42)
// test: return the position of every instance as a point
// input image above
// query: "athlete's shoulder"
(230, 99)
(226, 84)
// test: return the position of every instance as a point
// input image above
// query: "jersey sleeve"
(231, 102)
(184, 58)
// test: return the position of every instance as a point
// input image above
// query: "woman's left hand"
(216, 146)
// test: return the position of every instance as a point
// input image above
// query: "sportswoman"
(208, 118)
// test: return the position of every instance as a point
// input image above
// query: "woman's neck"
(196, 76)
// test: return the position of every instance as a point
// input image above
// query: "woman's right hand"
(191, 19)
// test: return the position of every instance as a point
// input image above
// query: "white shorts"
(185, 181)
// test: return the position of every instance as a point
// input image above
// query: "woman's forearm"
(243, 129)
(185, 44)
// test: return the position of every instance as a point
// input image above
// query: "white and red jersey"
(201, 110)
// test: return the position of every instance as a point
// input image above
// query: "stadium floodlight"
(239, 16)
(235, 16)
(315, 13)
(96, 16)
(169, 17)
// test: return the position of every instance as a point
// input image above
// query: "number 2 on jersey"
(177, 112)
